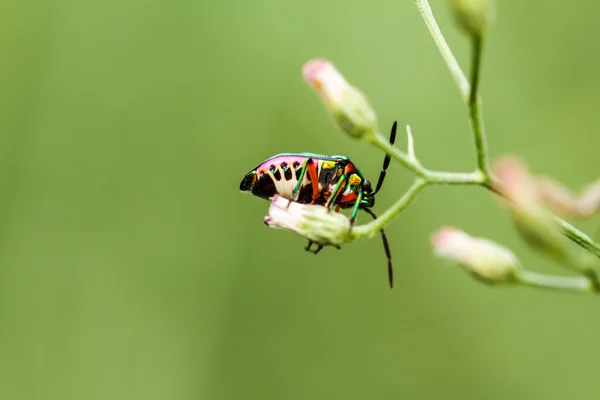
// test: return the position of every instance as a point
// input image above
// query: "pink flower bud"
(589, 202)
(326, 80)
(516, 184)
(347, 104)
(556, 197)
(528, 210)
(528, 194)
(483, 258)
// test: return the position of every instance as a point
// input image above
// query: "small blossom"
(486, 260)
(589, 202)
(348, 105)
(472, 16)
(314, 222)
(562, 201)
(556, 196)
(516, 184)
(528, 210)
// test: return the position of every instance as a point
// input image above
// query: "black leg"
(386, 160)
(309, 245)
(315, 251)
(386, 247)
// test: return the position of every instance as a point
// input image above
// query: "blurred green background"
(131, 267)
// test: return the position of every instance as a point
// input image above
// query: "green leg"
(300, 179)
(336, 190)
(356, 208)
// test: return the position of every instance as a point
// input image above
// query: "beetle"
(310, 178)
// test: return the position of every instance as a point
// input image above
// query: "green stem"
(459, 77)
(579, 237)
(432, 177)
(475, 112)
(534, 279)
(376, 225)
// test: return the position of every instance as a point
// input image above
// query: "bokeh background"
(131, 267)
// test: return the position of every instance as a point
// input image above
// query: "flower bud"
(562, 201)
(348, 105)
(527, 209)
(314, 222)
(472, 16)
(589, 202)
(556, 196)
(484, 259)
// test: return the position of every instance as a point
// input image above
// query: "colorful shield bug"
(310, 178)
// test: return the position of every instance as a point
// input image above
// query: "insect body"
(310, 178)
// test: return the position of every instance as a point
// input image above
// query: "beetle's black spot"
(272, 168)
(287, 173)
(248, 181)
(262, 173)
(284, 166)
(327, 176)
(297, 170)
(305, 195)
(264, 187)
(277, 175)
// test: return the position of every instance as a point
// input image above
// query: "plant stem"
(376, 225)
(534, 279)
(432, 177)
(579, 237)
(475, 112)
(468, 91)
(459, 77)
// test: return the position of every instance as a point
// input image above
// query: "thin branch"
(579, 237)
(459, 77)
(475, 112)
(542, 281)
(376, 225)
(433, 177)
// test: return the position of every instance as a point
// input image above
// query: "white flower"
(347, 104)
(314, 222)
(483, 258)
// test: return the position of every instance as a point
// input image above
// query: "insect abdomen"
(278, 175)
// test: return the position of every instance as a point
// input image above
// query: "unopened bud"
(527, 209)
(589, 202)
(348, 105)
(472, 16)
(562, 201)
(314, 222)
(484, 259)
(556, 197)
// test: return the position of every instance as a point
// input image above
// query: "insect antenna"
(386, 247)
(386, 161)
